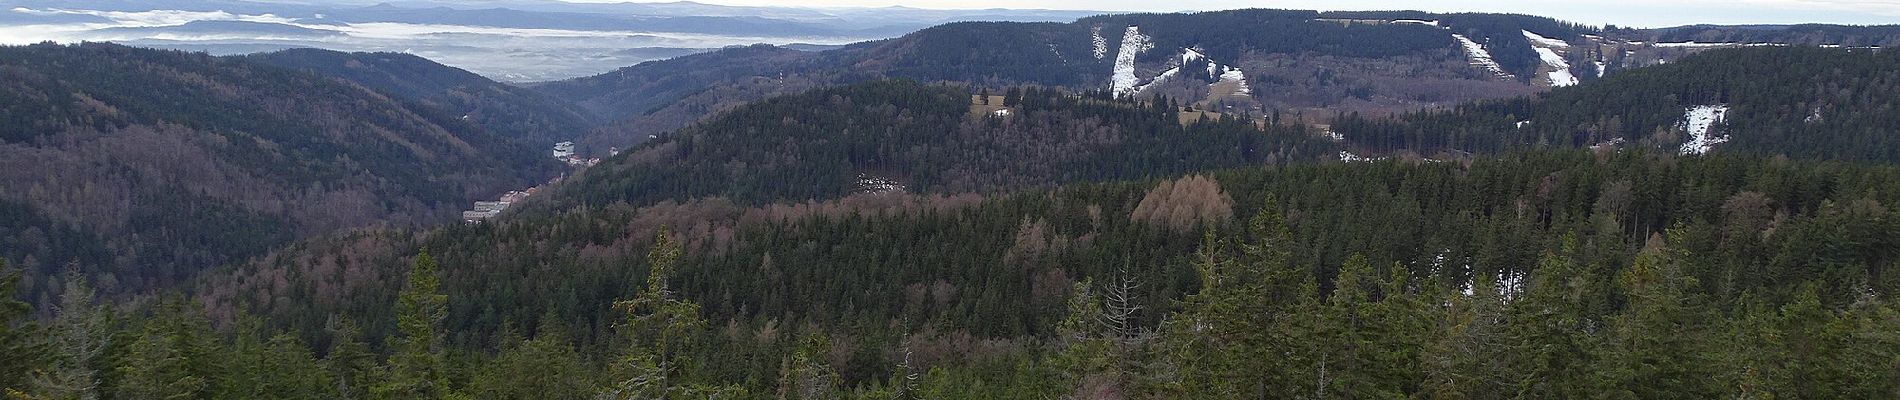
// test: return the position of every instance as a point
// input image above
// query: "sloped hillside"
(1802, 34)
(903, 135)
(497, 107)
(1804, 102)
(1270, 60)
(144, 166)
(1535, 251)
(1306, 63)
(659, 96)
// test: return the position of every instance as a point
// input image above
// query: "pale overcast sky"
(1645, 13)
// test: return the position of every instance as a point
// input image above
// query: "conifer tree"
(416, 367)
(659, 330)
(1470, 352)
(1241, 334)
(174, 357)
(806, 375)
(543, 367)
(350, 364)
(80, 334)
(1552, 329)
(1083, 358)
(1659, 346)
(19, 355)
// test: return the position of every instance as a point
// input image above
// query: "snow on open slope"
(1560, 69)
(1697, 122)
(1547, 51)
(1187, 56)
(1239, 79)
(1215, 71)
(1133, 44)
(1544, 41)
(1479, 57)
(1163, 77)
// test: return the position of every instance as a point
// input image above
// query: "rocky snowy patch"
(1697, 122)
(1101, 44)
(1479, 56)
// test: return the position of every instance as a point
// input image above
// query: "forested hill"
(142, 167)
(514, 112)
(900, 135)
(1542, 275)
(1882, 36)
(656, 97)
(1801, 102)
(1288, 59)
(1259, 61)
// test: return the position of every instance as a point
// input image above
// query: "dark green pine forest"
(1542, 274)
(816, 145)
(902, 240)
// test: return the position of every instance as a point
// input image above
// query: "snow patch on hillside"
(1696, 45)
(1602, 69)
(1348, 156)
(1560, 69)
(875, 185)
(1239, 79)
(1479, 57)
(1133, 44)
(1165, 75)
(1189, 56)
(1697, 122)
(1415, 22)
(1101, 44)
(1547, 51)
(1544, 41)
(1215, 72)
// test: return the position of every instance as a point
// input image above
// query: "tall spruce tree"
(1660, 345)
(78, 337)
(349, 361)
(174, 357)
(416, 369)
(659, 332)
(19, 354)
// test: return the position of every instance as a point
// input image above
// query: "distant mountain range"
(525, 40)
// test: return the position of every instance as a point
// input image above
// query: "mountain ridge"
(180, 161)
